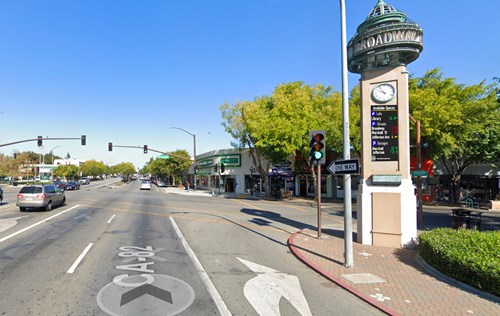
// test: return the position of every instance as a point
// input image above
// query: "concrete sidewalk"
(393, 280)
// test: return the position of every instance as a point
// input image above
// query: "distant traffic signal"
(84, 140)
(145, 149)
(40, 143)
(215, 168)
(222, 168)
(110, 146)
(317, 151)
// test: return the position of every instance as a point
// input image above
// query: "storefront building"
(239, 174)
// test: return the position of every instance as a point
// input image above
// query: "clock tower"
(384, 44)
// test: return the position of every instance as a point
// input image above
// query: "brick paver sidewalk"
(391, 279)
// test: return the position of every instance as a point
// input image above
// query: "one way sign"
(350, 166)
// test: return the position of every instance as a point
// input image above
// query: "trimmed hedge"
(469, 256)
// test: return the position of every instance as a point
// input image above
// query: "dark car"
(72, 186)
(59, 184)
(1, 195)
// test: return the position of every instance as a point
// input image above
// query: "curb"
(296, 252)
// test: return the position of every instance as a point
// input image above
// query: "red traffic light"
(110, 146)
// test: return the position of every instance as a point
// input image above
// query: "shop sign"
(207, 162)
(231, 160)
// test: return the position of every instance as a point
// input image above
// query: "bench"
(466, 218)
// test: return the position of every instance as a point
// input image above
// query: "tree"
(93, 168)
(175, 166)
(461, 123)
(66, 171)
(276, 127)
(126, 169)
(8, 166)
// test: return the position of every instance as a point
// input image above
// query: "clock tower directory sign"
(384, 44)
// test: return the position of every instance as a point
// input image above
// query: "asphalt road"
(122, 251)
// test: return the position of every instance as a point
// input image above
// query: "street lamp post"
(194, 152)
(348, 251)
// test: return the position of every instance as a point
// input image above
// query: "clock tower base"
(386, 203)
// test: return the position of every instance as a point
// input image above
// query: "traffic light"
(222, 168)
(110, 146)
(317, 151)
(40, 143)
(215, 168)
(84, 140)
(196, 169)
(145, 149)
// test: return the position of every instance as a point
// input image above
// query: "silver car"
(40, 196)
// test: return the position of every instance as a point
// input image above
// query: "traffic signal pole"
(150, 149)
(318, 193)
(43, 138)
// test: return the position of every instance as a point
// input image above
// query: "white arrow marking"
(82, 216)
(7, 223)
(266, 289)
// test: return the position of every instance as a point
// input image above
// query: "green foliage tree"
(8, 166)
(461, 123)
(93, 168)
(276, 127)
(126, 169)
(68, 172)
(176, 166)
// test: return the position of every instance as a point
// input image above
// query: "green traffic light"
(318, 155)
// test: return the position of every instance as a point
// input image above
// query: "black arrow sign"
(146, 289)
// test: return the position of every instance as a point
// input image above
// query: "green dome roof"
(382, 13)
(386, 38)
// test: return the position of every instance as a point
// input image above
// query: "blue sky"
(125, 71)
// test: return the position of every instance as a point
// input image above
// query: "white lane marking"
(111, 219)
(265, 290)
(36, 224)
(203, 274)
(79, 259)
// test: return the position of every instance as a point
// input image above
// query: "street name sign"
(419, 173)
(163, 157)
(340, 167)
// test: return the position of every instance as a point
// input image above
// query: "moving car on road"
(84, 180)
(40, 196)
(145, 185)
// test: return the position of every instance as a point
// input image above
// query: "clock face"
(384, 92)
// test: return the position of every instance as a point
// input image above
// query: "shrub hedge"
(469, 256)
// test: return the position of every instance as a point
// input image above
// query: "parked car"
(59, 184)
(44, 196)
(84, 180)
(160, 183)
(72, 186)
(145, 185)
(1, 194)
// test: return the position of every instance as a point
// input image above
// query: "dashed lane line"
(36, 224)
